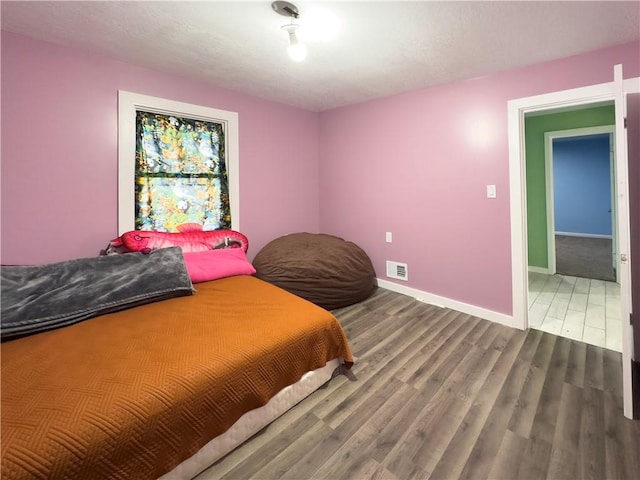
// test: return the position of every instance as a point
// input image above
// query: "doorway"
(571, 282)
(615, 90)
(581, 202)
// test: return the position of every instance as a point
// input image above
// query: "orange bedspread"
(131, 394)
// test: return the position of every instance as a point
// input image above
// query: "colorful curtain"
(181, 173)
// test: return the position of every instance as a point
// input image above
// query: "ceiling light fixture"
(296, 50)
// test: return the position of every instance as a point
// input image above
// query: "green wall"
(535, 128)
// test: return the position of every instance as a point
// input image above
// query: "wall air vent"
(397, 270)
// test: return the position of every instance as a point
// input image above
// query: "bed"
(165, 389)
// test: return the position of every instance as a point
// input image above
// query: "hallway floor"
(577, 308)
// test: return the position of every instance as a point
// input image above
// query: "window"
(173, 160)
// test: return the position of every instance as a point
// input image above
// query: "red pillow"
(213, 264)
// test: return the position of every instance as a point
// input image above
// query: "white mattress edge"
(252, 422)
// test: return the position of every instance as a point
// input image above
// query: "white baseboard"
(445, 302)
(543, 270)
(586, 235)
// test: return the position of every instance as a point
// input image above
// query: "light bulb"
(297, 51)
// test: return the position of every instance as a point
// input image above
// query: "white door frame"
(549, 137)
(517, 109)
(615, 259)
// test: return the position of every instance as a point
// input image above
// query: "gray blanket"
(42, 297)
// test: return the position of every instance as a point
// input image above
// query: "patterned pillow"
(190, 238)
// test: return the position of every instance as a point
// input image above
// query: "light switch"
(389, 237)
(491, 191)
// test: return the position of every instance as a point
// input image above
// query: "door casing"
(517, 109)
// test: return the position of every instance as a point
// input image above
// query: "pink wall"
(415, 164)
(418, 164)
(59, 152)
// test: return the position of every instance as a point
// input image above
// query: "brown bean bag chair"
(323, 269)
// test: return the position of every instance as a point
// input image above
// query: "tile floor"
(577, 308)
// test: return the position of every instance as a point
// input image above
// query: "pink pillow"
(213, 264)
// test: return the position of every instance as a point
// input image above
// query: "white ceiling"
(383, 48)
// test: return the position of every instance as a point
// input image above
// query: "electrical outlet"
(491, 191)
(389, 237)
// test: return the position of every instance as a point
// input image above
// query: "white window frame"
(128, 104)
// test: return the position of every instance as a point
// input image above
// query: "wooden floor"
(443, 395)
